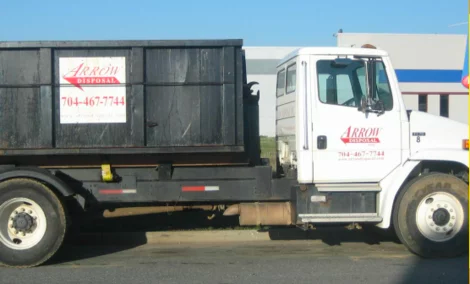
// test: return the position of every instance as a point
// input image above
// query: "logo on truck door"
(366, 135)
(92, 89)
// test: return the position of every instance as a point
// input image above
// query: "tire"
(44, 229)
(431, 216)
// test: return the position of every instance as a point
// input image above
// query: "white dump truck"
(112, 124)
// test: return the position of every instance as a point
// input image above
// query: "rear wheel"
(32, 223)
(431, 216)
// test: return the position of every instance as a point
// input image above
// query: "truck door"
(353, 145)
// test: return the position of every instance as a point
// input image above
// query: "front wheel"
(32, 223)
(431, 216)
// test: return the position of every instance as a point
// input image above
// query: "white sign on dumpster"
(92, 89)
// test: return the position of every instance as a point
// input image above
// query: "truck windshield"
(345, 85)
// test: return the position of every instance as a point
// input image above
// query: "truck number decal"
(418, 135)
(92, 89)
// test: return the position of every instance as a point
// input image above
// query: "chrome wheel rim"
(439, 216)
(23, 223)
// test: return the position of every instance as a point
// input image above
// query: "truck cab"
(343, 131)
(337, 125)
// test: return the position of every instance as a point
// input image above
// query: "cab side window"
(281, 80)
(291, 78)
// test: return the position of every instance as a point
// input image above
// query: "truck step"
(348, 187)
(340, 217)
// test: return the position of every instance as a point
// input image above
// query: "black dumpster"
(121, 97)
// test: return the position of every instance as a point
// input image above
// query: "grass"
(268, 148)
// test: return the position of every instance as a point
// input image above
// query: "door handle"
(321, 142)
(152, 124)
(304, 64)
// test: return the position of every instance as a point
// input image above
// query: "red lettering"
(93, 72)
(346, 133)
(83, 74)
(84, 70)
(114, 70)
(355, 132)
(104, 71)
(361, 135)
(74, 71)
(362, 132)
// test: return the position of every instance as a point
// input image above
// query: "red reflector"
(111, 191)
(200, 188)
(193, 188)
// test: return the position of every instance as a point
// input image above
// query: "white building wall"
(414, 51)
(434, 104)
(458, 108)
(411, 102)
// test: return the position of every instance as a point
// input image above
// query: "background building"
(428, 67)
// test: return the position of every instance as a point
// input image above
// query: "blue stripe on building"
(428, 76)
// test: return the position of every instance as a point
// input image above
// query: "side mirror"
(367, 105)
(364, 106)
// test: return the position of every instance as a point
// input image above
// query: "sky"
(258, 23)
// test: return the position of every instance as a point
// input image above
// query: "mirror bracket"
(368, 105)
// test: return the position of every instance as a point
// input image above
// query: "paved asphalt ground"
(331, 257)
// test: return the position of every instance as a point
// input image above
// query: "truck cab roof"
(333, 51)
